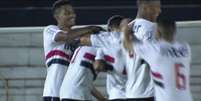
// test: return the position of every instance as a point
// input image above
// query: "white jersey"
(139, 83)
(57, 56)
(143, 29)
(170, 64)
(110, 43)
(78, 81)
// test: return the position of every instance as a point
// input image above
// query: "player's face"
(67, 16)
(154, 9)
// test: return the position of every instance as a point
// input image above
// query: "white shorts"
(54, 79)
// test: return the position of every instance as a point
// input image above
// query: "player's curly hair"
(114, 22)
(59, 3)
(139, 2)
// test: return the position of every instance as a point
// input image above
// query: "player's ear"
(56, 17)
(158, 33)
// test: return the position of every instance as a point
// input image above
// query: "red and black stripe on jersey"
(110, 60)
(89, 65)
(51, 59)
(157, 78)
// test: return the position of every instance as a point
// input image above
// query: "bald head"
(149, 9)
(140, 2)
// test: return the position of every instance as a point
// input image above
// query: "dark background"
(38, 12)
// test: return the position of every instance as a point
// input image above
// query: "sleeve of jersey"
(143, 34)
(53, 31)
(99, 54)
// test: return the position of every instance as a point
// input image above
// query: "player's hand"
(99, 65)
(102, 66)
(103, 99)
(96, 29)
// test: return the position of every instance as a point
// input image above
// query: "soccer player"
(57, 48)
(110, 61)
(139, 85)
(143, 27)
(169, 61)
(110, 42)
(78, 81)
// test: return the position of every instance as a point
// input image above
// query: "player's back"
(170, 66)
(116, 78)
(78, 80)
(110, 42)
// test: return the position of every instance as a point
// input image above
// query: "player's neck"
(64, 28)
(169, 39)
(144, 16)
(116, 30)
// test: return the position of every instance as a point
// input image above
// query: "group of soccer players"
(141, 58)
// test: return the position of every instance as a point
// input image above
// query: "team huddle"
(141, 58)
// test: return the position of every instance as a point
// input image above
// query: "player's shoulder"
(49, 28)
(87, 48)
(182, 44)
(100, 35)
(145, 24)
(104, 34)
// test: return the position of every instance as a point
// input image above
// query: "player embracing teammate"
(142, 59)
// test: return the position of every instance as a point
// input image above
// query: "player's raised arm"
(94, 39)
(127, 34)
(65, 16)
(75, 33)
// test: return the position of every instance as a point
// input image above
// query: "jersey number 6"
(180, 77)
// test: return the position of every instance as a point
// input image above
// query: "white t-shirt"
(170, 66)
(57, 56)
(78, 81)
(139, 83)
(110, 44)
(57, 53)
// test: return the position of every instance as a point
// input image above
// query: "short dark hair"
(139, 2)
(167, 23)
(114, 21)
(57, 4)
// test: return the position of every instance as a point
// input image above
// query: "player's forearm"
(76, 33)
(127, 41)
(127, 35)
(102, 66)
(85, 40)
(98, 95)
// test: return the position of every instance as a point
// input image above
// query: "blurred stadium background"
(22, 69)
